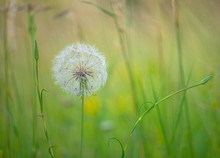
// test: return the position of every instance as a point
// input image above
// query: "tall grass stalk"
(179, 113)
(161, 121)
(6, 75)
(125, 49)
(178, 40)
(40, 99)
(10, 123)
(162, 75)
(161, 62)
(181, 70)
(126, 58)
(32, 32)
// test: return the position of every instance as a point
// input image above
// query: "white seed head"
(80, 65)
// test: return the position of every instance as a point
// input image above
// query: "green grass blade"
(122, 148)
(160, 119)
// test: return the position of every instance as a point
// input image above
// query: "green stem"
(6, 73)
(82, 126)
(189, 130)
(126, 59)
(40, 98)
(163, 130)
(180, 110)
(181, 69)
(161, 120)
(202, 82)
(32, 31)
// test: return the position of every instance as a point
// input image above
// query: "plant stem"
(181, 70)
(158, 102)
(126, 60)
(178, 40)
(32, 31)
(40, 98)
(82, 126)
(161, 120)
(188, 130)
(179, 113)
(6, 73)
(202, 82)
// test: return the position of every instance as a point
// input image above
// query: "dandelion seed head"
(80, 65)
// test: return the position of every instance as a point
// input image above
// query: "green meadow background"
(153, 48)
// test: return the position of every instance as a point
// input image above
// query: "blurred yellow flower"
(92, 105)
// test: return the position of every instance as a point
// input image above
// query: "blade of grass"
(161, 120)
(32, 32)
(126, 61)
(8, 115)
(122, 148)
(6, 75)
(180, 110)
(181, 69)
(40, 99)
(124, 40)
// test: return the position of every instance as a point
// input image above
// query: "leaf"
(122, 148)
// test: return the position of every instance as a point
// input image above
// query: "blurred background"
(152, 47)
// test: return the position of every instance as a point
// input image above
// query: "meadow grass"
(183, 101)
(36, 83)
(32, 32)
(152, 104)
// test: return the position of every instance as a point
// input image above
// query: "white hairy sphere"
(77, 65)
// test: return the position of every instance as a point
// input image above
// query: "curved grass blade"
(122, 148)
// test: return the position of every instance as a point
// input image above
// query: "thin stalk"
(162, 75)
(181, 69)
(32, 31)
(202, 82)
(161, 121)
(82, 127)
(40, 98)
(179, 113)
(161, 53)
(178, 40)
(125, 47)
(158, 102)
(188, 124)
(6, 73)
(163, 130)
(126, 59)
